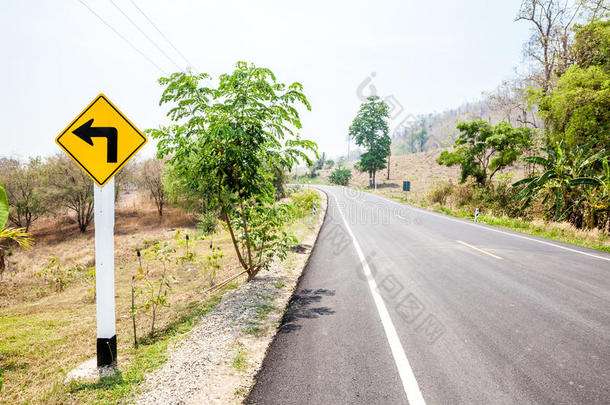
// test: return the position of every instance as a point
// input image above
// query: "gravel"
(218, 360)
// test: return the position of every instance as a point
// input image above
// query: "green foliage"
(566, 176)
(60, 276)
(208, 223)
(155, 290)
(3, 208)
(228, 141)
(340, 176)
(482, 150)
(211, 263)
(304, 201)
(417, 140)
(370, 130)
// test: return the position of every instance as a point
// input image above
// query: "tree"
(321, 161)
(69, 187)
(550, 39)
(22, 183)
(577, 110)
(340, 176)
(566, 172)
(227, 141)
(482, 150)
(151, 179)
(370, 130)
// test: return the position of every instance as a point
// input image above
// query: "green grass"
(547, 230)
(240, 362)
(150, 354)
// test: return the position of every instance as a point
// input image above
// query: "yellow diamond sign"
(101, 140)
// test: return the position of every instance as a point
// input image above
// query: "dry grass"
(44, 334)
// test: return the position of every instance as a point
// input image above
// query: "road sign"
(101, 140)
(406, 186)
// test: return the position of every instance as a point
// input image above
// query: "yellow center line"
(477, 249)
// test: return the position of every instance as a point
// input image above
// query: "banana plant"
(563, 171)
(16, 234)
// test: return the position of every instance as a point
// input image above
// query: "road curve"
(401, 305)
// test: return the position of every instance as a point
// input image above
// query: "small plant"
(208, 225)
(340, 176)
(182, 242)
(155, 291)
(304, 201)
(211, 263)
(61, 276)
(240, 363)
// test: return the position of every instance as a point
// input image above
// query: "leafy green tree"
(340, 176)
(566, 175)
(226, 140)
(417, 140)
(370, 130)
(482, 150)
(577, 110)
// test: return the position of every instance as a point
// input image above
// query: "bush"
(304, 200)
(440, 194)
(340, 176)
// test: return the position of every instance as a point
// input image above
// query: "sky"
(422, 57)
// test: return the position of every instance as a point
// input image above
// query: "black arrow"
(86, 132)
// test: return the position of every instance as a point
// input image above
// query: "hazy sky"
(428, 55)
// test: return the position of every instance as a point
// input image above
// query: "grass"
(44, 334)
(562, 231)
(240, 361)
(150, 354)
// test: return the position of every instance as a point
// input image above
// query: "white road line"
(477, 249)
(487, 228)
(407, 376)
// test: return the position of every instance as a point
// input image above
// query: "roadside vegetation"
(532, 156)
(206, 216)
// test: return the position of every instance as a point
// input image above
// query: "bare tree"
(151, 179)
(22, 183)
(549, 43)
(69, 187)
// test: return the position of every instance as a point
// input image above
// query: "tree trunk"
(389, 163)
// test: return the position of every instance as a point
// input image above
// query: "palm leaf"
(536, 159)
(523, 181)
(584, 181)
(3, 208)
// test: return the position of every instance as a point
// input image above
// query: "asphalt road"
(400, 305)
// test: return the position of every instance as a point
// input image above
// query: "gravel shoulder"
(218, 360)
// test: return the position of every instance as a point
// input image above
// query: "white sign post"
(104, 273)
(101, 140)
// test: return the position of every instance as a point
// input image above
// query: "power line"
(145, 35)
(122, 37)
(162, 34)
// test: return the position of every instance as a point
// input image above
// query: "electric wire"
(162, 34)
(145, 35)
(122, 37)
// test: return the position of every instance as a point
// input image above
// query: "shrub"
(304, 200)
(61, 276)
(340, 176)
(440, 194)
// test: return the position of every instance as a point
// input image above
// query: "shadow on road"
(300, 307)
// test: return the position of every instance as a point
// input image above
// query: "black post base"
(106, 351)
